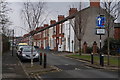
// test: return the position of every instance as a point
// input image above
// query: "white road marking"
(87, 67)
(77, 69)
(66, 64)
(39, 77)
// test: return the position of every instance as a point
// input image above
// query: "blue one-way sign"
(101, 21)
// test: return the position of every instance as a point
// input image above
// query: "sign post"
(100, 30)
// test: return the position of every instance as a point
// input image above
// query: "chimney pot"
(72, 11)
(52, 22)
(60, 17)
(94, 3)
(45, 25)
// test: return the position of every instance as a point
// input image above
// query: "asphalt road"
(73, 69)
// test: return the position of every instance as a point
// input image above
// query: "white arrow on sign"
(99, 19)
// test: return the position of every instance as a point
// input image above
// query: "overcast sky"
(55, 9)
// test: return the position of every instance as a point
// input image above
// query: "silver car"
(27, 52)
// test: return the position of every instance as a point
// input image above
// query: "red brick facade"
(94, 3)
(117, 33)
(72, 11)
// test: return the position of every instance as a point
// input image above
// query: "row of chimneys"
(72, 11)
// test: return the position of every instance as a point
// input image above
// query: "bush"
(114, 45)
(89, 49)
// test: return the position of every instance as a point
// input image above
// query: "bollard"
(102, 60)
(92, 58)
(45, 60)
(40, 59)
(12, 50)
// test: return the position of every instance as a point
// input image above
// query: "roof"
(62, 21)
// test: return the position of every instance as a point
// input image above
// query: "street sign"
(100, 21)
(100, 31)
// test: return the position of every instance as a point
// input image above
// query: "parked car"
(37, 48)
(19, 46)
(25, 53)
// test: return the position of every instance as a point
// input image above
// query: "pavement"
(11, 67)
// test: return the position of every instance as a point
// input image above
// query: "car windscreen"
(28, 49)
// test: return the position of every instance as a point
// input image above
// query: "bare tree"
(32, 13)
(79, 25)
(112, 8)
(4, 18)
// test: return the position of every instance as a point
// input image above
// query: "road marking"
(39, 77)
(56, 68)
(53, 54)
(11, 68)
(87, 67)
(36, 77)
(77, 69)
(66, 64)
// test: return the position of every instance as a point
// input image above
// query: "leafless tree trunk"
(32, 14)
(112, 8)
(79, 26)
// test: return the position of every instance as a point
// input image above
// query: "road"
(73, 69)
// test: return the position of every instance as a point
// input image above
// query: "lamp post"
(12, 41)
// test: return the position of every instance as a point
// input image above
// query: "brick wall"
(117, 33)
(94, 3)
(72, 11)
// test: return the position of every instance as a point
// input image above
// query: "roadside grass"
(113, 60)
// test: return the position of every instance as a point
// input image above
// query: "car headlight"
(23, 55)
(37, 54)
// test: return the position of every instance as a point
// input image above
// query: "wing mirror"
(21, 49)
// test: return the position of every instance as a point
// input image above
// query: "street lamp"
(12, 41)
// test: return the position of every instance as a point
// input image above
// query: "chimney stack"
(94, 3)
(45, 25)
(60, 17)
(52, 22)
(72, 11)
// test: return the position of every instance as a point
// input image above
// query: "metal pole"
(92, 61)
(72, 45)
(40, 59)
(45, 60)
(101, 55)
(12, 42)
(102, 58)
(32, 53)
(100, 52)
